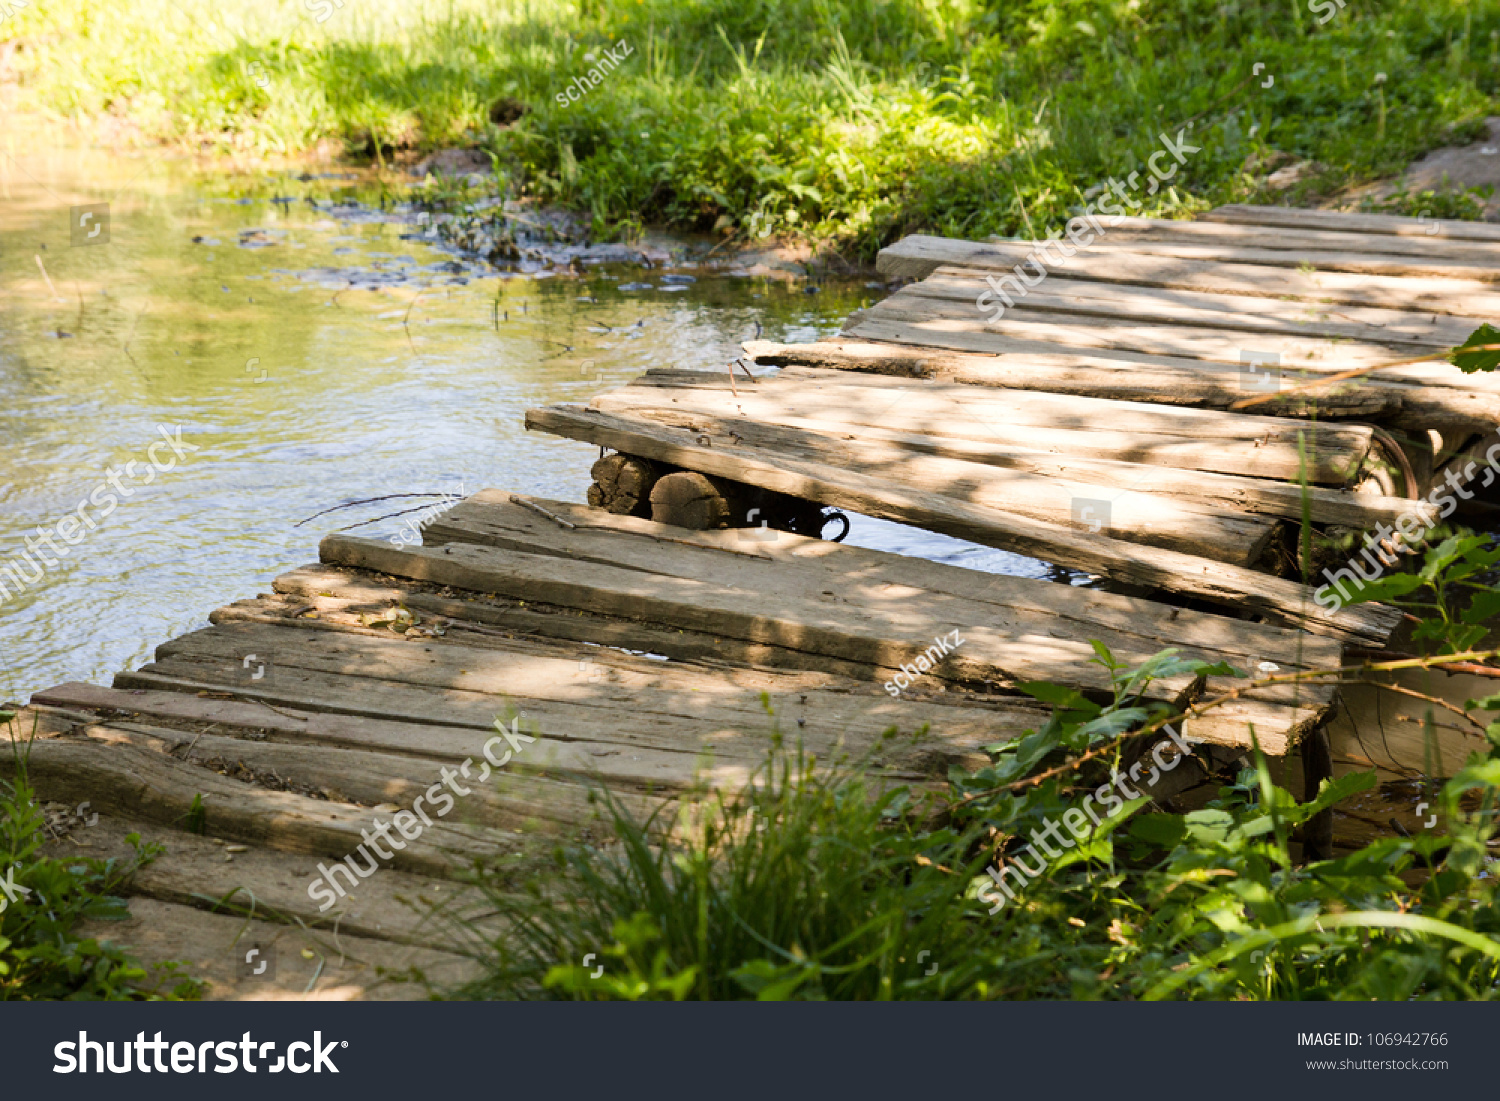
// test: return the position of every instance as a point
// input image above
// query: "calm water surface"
(276, 342)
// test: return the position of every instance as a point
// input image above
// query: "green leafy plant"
(42, 957)
(819, 885)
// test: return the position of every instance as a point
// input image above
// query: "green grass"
(852, 121)
(808, 884)
(827, 893)
(43, 957)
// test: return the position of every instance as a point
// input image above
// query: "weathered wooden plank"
(520, 618)
(651, 756)
(1126, 333)
(855, 621)
(1394, 333)
(918, 256)
(938, 465)
(1320, 259)
(1161, 380)
(1199, 439)
(1004, 654)
(1423, 248)
(498, 798)
(1119, 482)
(489, 517)
(585, 713)
(1296, 218)
(671, 752)
(1432, 395)
(349, 968)
(1284, 602)
(126, 780)
(1134, 625)
(196, 871)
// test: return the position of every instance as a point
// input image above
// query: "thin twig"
(540, 511)
(365, 501)
(1401, 689)
(387, 516)
(188, 753)
(732, 235)
(1245, 403)
(1447, 666)
(251, 699)
(1218, 701)
(45, 276)
(404, 325)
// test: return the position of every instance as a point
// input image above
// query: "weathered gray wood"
(878, 577)
(878, 448)
(940, 464)
(918, 256)
(1126, 333)
(593, 741)
(1306, 238)
(1296, 218)
(498, 798)
(197, 871)
(1432, 395)
(1393, 333)
(998, 651)
(1162, 380)
(490, 518)
(1199, 439)
(126, 780)
(1284, 602)
(342, 968)
(583, 710)
(1133, 625)
(520, 618)
(1105, 251)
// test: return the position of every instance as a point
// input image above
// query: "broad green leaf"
(1469, 362)
(1057, 695)
(1162, 830)
(1384, 588)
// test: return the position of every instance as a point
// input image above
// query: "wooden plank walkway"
(650, 659)
(660, 659)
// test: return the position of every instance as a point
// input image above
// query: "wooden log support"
(623, 485)
(690, 500)
(1219, 583)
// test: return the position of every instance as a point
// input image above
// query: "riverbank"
(848, 124)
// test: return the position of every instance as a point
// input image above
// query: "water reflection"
(312, 356)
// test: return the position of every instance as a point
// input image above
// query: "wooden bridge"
(654, 642)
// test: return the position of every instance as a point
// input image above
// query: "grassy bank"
(809, 886)
(817, 883)
(849, 120)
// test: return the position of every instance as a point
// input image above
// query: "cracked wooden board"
(1284, 602)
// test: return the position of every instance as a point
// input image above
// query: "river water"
(284, 336)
